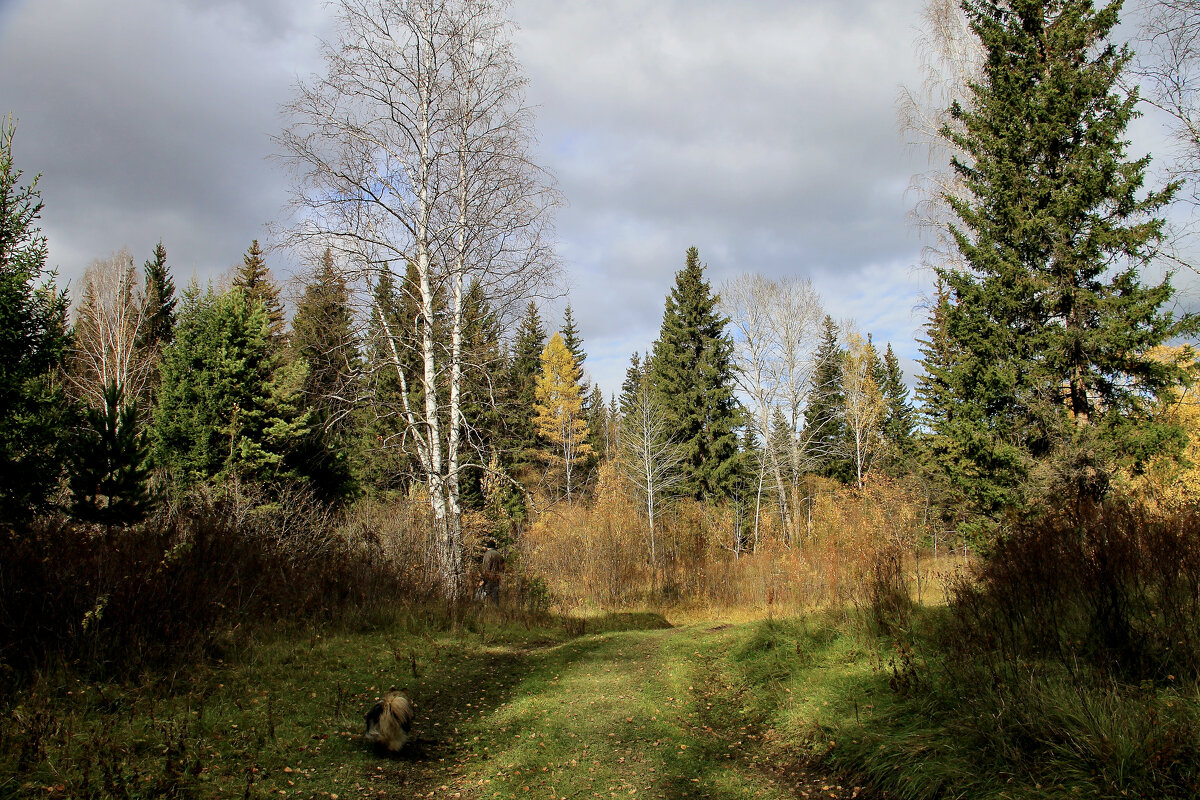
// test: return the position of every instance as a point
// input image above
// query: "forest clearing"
(360, 516)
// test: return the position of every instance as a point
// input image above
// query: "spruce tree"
(691, 371)
(1049, 320)
(483, 395)
(33, 343)
(899, 420)
(385, 465)
(524, 367)
(159, 324)
(110, 469)
(826, 434)
(255, 278)
(229, 406)
(571, 337)
(323, 337)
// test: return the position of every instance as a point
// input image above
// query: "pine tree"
(33, 343)
(691, 371)
(323, 337)
(158, 327)
(1050, 323)
(255, 278)
(826, 435)
(571, 337)
(110, 469)
(558, 409)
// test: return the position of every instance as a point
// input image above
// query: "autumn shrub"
(114, 600)
(1109, 585)
(850, 544)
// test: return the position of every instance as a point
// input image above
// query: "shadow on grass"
(616, 622)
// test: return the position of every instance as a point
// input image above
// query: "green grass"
(616, 705)
(889, 712)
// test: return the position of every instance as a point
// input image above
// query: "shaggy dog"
(389, 722)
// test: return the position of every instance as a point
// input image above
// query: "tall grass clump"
(852, 547)
(112, 601)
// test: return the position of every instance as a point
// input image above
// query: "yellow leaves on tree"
(1169, 483)
(558, 409)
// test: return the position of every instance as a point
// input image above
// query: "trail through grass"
(635, 711)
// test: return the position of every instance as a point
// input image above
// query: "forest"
(234, 512)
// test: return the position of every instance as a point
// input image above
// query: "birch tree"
(649, 460)
(775, 327)
(108, 331)
(410, 153)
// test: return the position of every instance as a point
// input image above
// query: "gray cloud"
(761, 132)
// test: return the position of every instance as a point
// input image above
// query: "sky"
(763, 132)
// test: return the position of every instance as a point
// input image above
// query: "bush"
(1108, 585)
(117, 600)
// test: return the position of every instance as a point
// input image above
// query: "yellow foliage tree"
(558, 408)
(1173, 484)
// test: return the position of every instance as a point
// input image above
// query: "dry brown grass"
(597, 554)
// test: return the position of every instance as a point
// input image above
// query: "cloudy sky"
(762, 131)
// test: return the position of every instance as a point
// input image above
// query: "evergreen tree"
(228, 405)
(255, 278)
(571, 337)
(558, 409)
(1050, 323)
(159, 324)
(33, 341)
(826, 435)
(482, 395)
(596, 412)
(524, 367)
(110, 466)
(899, 418)
(323, 337)
(385, 464)
(691, 371)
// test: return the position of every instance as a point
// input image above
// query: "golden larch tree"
(558, 408)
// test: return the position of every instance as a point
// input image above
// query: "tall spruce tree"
(385, 466)
(524, 367)
(826, 434)
(691, 371)
(33, 344)
(255, 278)
(323, 337)
(899, 417)
(110, 470)
(483, 395)
(159, 324)
(1048, 319)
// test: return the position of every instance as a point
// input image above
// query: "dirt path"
(627, 714)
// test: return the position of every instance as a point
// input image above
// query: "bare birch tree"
(775, 326)
(1168, 69)
(951, 58)
(411, 158)
(107, 331)
(649, 459)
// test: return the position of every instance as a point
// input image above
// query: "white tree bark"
(108, 325)
(412, 149)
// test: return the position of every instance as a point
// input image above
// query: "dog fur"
(389, 722)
